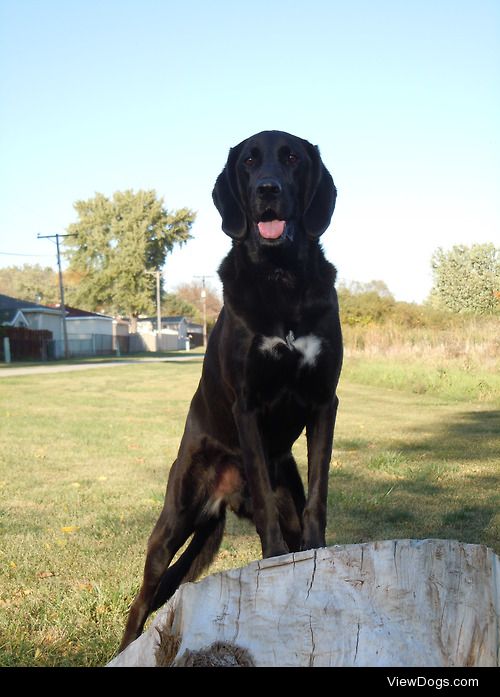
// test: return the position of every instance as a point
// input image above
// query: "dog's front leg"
(319, 432)
(265, 512)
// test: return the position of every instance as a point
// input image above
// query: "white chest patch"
(269, 344)
(308, 346)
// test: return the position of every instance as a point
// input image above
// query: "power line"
(21, 254)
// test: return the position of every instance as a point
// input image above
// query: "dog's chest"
(288, 367)
(305, 350)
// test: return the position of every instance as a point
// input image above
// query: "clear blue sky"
(402, 97)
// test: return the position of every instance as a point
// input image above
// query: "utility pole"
(203, 296)
(61, 286)
(158, 300)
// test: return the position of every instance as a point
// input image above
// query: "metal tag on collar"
(290, 339)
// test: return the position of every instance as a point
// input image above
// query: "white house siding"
(120, 327)
(89, 325)
(52, 321)
(149, 341)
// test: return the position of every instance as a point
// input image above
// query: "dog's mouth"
(271, 229)
(270, 226)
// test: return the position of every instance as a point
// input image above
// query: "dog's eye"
(252, 157)
(292, 158)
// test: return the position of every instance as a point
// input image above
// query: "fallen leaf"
(45, 574)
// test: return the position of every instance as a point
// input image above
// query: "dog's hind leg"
(201, 480)
(194, 505)
(165, 540)
(160, 580)
(196, 558)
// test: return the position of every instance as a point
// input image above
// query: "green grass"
(451, 379)
(83, 465)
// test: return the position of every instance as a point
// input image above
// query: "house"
(13, 318)
(89, 333)
(23, 313)
(173, 336)
(93, 333)
(195, 334)
(28, 328)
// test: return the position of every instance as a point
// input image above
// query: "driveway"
(66, 368)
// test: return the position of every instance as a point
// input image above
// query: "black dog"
(271, 369)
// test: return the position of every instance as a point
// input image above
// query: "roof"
(173, 320)
(164, 320)
(8, 316)
(9, 303)
(75, 313)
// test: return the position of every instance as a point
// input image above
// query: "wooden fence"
(25, 344)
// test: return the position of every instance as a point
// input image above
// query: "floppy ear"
(227, 199)
(322, 195)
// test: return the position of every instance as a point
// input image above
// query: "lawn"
(83, 464)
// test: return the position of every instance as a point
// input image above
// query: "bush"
(363, 305)
(467, 279)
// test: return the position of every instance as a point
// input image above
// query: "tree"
(191, 293)
(116, 241)
(173, 305)
(380, 288)
(30, 282)
(365, 303)
(215, 620)
(467, 279)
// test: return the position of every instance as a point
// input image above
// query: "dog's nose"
(268, 187)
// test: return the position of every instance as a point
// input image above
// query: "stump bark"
(391, 603)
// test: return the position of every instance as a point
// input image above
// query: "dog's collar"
(290, 338)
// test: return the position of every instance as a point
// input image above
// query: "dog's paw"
(276, 550)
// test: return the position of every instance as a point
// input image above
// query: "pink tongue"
(272, 229)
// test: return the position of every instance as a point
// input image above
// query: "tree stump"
(394, 603)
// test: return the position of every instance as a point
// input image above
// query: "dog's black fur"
(271, 369)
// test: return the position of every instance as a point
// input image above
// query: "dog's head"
(273, 185)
